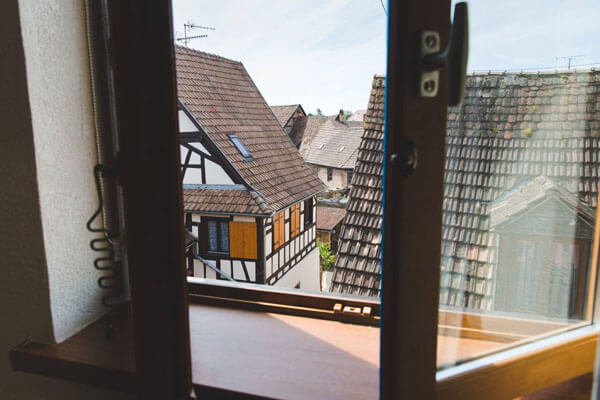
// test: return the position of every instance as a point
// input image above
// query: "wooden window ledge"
(237, 353)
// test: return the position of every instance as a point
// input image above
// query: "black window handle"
(453, 59)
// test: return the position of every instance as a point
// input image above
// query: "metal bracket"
(430, 80)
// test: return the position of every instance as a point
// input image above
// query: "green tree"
(319, 112)
(327, 256)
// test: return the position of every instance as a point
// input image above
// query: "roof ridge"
(207, 54)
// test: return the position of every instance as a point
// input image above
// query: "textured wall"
(25, 308)
(54, 41)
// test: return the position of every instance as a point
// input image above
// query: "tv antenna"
(569, 58)
(188, 28)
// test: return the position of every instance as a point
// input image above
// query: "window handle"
(453, 59)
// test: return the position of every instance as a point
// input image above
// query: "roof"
(305, 129)
(357, 115)
(512, 129)
(224, 100)
(335, 144)
(357, 264)
(284, 113)
(529, 194)
(222, 201)
(329, 217)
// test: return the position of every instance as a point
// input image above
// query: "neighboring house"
(544, 235)
(358, 115)
(520, 146)
(331, 150)
(357, 265)
(289, 117)
(248, 195)
(329, 222)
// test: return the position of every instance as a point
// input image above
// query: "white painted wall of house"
(215, 174)
(339, 178)
(306, 272)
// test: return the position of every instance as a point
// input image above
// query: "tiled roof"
(222, 201)
(335, 144)
(329, 217)
(529, 194)
(284, 113)
(305, 130)
(222, 97)
(357, 115)
(513, 131)
(357, 265)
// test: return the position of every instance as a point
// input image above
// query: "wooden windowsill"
(264, 354)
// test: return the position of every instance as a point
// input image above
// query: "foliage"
(319, 112)
(327, 257)
(347, 114)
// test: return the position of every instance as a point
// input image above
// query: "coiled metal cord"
(105, 263)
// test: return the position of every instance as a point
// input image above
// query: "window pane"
(521, 185)
(212, 236)
(224, 233)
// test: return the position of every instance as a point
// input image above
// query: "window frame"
(329, 174)
(308, 205)
(411, 284)
(203, 231)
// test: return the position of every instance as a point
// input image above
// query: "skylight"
(240, 147)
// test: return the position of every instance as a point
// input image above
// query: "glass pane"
(212, 236)
(224, 232)
(521, 181)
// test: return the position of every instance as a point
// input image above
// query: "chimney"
(340, 116)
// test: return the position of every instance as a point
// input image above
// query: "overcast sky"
(324, 53)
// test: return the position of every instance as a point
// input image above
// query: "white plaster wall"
(25, 307)
(306, 272)
(54, 40)
(339, 177)
(215, 174)
(185, 123)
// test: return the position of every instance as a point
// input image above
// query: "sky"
(324, 53)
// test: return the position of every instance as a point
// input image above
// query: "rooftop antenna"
(569, 58)
(187, 28)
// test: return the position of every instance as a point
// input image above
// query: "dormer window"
(241, 148)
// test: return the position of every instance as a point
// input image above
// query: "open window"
(413, 221)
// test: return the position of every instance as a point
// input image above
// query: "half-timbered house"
(248, 194)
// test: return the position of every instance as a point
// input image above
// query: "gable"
(221, 96)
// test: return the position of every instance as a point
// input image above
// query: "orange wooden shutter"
(236, 239)
(295, 220)
(242, 240)
(250, 243)
(278, 236)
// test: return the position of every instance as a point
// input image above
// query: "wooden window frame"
(203, 231)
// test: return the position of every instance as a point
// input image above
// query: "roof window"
(240, 147)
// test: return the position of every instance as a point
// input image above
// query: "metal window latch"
(453, 59)
(339, 308)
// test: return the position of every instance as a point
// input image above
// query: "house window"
(349, 178)
(217, 236)
(308, 212)
(243, 240)
(240, 147)
(294, 220)
(278, 230)
(329, 174)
